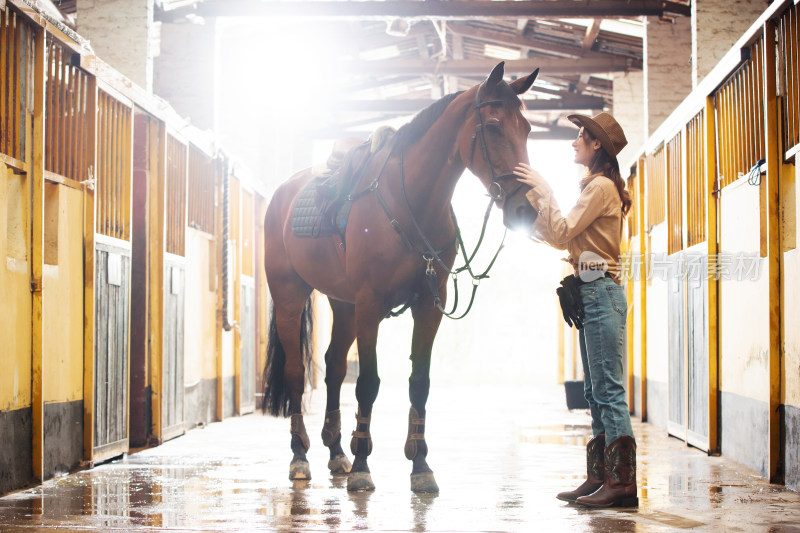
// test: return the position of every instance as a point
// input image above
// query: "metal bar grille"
(113, 167)
(655, 171)
(789, 43)
(695, 180)
(65, 115)
(16, 82)
(740, 118)
(675, 198)
(176, 196)
(201, 190)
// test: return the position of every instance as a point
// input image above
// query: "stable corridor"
(499, 455)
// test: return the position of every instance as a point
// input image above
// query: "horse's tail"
(276, 394)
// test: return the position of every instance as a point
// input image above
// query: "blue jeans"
(601, 341)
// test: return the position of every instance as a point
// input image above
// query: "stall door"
(174, 316)
(248, 353)
(174, 288)
(676, 418)
(697, 348)
(113, 281)
(112, 303)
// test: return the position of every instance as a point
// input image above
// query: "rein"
(430, 254)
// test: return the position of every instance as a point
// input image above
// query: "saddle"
(347, 163)
(323, 206)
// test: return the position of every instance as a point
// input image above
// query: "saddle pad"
(307, 220)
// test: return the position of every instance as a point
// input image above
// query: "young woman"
(591, 233)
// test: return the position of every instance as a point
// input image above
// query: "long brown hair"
(604, 163)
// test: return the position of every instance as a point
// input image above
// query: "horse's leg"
(342, 337)
(368, 317)
(289, 340)
(426, 323)
(289, 314)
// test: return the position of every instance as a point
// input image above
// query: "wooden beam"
(642, 296)
(772, 148)
(482, 67)
(36, 152)
(435, 9)
(89, 217)
(156, 198)
(712, 206)
(590, 37)
(234, 300)
(551, 132)
(405, 106)
(220, 178)
(507, 39)
(363, 40)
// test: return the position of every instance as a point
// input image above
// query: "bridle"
(495, 189)
(429, 253)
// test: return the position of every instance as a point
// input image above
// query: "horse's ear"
(521, 85)
(497, 74)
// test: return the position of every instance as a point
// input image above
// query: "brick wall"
(120, 32)
(184, 69)
(629, 112)
(716, 26)
(667, 68)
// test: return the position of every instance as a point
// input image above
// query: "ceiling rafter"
(480, 67)
(589, 39)
(428, 48)
(439, 9)
(507, 39)
(575, 57)
(405, 106)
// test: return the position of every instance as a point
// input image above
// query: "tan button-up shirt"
(593, 225)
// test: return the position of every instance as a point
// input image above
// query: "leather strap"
(332, 429)
(361, 434)
(298, 428)
(416, 432)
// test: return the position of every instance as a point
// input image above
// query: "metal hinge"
(717, 188)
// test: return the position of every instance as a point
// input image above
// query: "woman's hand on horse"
(527, 175)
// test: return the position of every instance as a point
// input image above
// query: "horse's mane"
(422, 122)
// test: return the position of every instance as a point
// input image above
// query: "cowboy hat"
(605, 129)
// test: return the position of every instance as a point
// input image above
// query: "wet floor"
(498, 466)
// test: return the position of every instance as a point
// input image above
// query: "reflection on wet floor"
(497, 470)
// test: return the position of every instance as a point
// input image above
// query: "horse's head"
(497, 142)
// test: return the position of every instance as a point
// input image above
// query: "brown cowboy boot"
(619, 483)
(594, 470)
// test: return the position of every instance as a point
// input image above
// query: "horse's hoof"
(424, 482)
(299, 470)
(340, 465)
(360, 481)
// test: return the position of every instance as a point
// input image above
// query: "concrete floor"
(498, 465)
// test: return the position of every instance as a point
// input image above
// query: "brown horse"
(398, 248)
